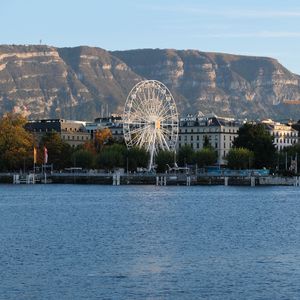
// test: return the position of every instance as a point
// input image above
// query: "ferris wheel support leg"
(152, 150)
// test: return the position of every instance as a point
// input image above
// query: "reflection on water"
(146, 242)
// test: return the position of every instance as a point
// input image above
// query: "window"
(192, 137)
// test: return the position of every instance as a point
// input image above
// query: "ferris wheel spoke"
(138, 108)
(165, 113)
(137, 130)
(164, 143)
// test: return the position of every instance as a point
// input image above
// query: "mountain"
(80, 82)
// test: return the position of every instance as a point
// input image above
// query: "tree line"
(253, 148)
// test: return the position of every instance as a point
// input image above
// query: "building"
(284, 134)
(296, 126)
(72, 132)
(219, 131)
(114, 123)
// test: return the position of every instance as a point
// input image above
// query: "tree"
(206, 143)
(185, 155)
(257, 139)
(239, 158)
(84, 159)
(285, 157)
(163, 159)
(111, 157)
(205, 157)
(16, 144)
(101, 138)
(136, 158)
(59, 152)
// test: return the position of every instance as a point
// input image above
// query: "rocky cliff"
(78, 83)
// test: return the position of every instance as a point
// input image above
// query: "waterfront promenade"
(234, 178)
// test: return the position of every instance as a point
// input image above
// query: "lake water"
(147, 242)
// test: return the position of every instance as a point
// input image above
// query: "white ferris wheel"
(150, 118)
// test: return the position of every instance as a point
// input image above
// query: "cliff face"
(78, 82)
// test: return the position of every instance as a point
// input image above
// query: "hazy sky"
(256, 27)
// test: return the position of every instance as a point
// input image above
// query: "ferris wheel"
(150, 118)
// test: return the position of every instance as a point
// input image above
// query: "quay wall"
(154, 179)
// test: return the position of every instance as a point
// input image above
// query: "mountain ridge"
(77, 82)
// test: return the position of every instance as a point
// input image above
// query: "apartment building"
(284, 134)
(219, 131)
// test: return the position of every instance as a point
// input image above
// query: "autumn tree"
(102, 137)
(16, 144)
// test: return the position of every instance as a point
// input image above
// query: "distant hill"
(79, 82)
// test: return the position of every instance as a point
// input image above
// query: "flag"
(34, 155)
(45, 155)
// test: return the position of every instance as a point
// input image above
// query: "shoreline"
(147, 179)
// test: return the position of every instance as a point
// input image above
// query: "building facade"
(72, 132)
(219, 131)
(114, 123)
(284, 135)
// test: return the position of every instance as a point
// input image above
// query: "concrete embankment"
(149, 179)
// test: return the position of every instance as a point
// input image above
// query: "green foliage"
(205, 157)
(163, 159)
(185, 155)
(111, 157)
(206, 143)
(84, 159)
(257, 139)
(240, 158)
(285, 157)
(136, 158)
(59, 152)
(16, 144)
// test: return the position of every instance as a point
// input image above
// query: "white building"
(284, 135)
(220, 132)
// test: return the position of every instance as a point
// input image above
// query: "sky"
(257, 27)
